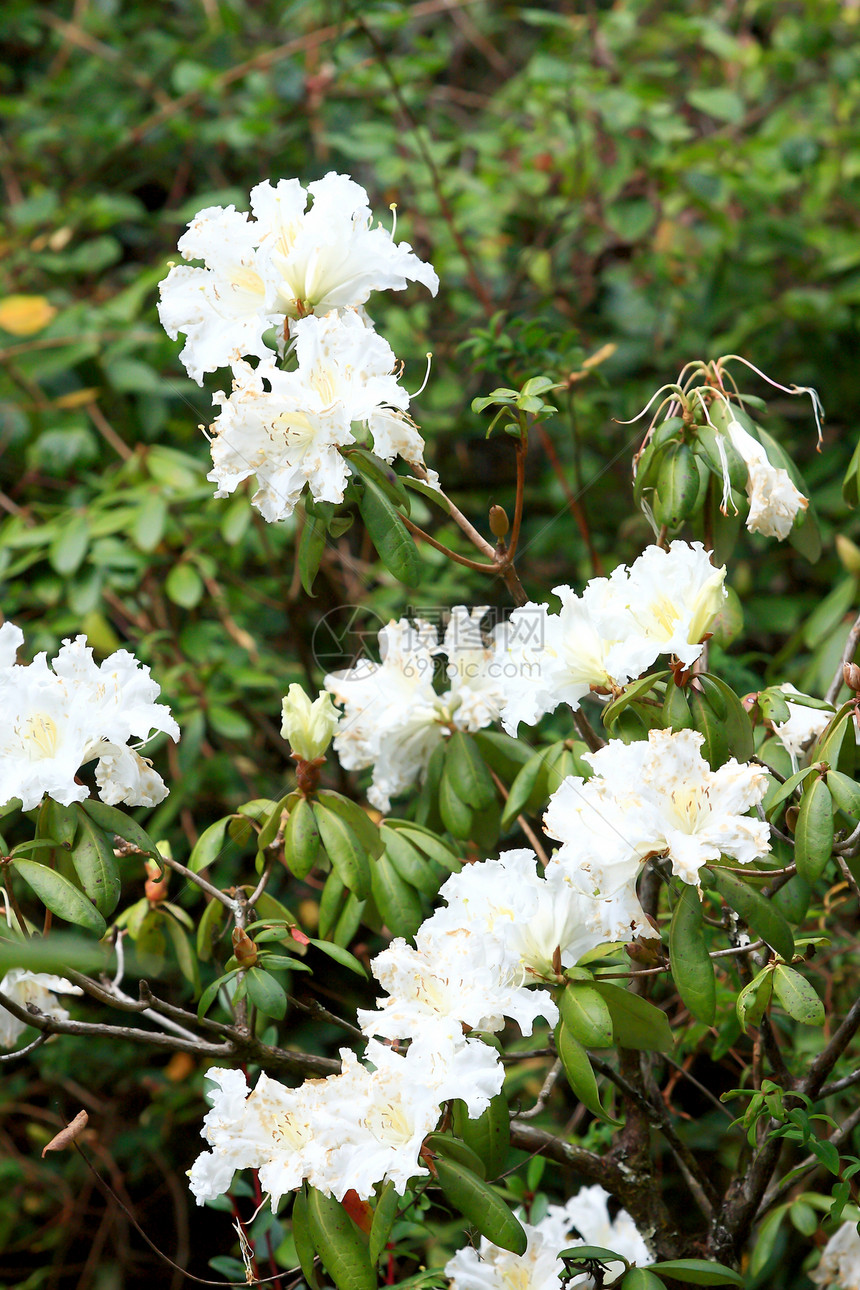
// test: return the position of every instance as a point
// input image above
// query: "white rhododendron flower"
(393, 716)
(56, 719)
(38, 988)
(839, 1268)
(278, 265)
(286, 428)
(492, 1268)
(774, 501)
(655, 798)
(803, 725)
(664, 603)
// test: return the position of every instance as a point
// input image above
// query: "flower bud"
(851, 677)
(244, 948)
(308, 727)
(155, 887)
(498, 521)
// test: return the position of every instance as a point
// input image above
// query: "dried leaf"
(67, 1135)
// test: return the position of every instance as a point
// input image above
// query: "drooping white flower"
(658, 797)
(839, 1268)
(286, 428)
(803, 725)
(492, 1268)
(664, 604)
(38, 988)
(282, 264)
(774, 500)
(57, 719)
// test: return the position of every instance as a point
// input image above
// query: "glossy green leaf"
(340, 955)
(96, 866)
(389, 535)
(845, 792)
(275, 822)
(61, 896)
(481, 1206)
(465, 767)
(637, 1023)
(797, 996)
(698, 1272)
(488, 1134)
(207, 998)
(112, 820)
(311, 546)
(579, 1072)
(813, 832)
(443, 1144)
(642, 1279)
(265, 993)
(586, 1015)
(751, 1003)
(371, 467)
(756, 911)
(340, 1245)
(332, 900)
(427, 841)
(384, 1215)
(303, 1241)
(412, 866)
(184, 955)
(396, 900)
(358, 820)
(209, 846)
(211, 922)
(344, 850)
(301, 839)
(456, 815)
(692, 967)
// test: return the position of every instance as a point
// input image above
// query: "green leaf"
(270, 829)
(149, 523)
(845, 792)
(385, 477)
(209, 926)
(358, 820)
(383, 1220)
(502, 753)
(641, 1279)
(637, 1023)
(586, 1015)
(738, 727)
(751, 1003)
(340, 955)
(850, 490)
(715, 749)
(480, 1206)
(67, 551)
(412, 866)
(397, 902)
(813, 833)
(184, 586)
(580, 1075)
(591, 1254)
(634, 691)
(692, 967)
(465, 766)
(797, 996)
(96, 866)
(756, 911)
(56, 821)
(310, 549)
(112, 820)
(208, 996)
(61, 896)
(184, 956)
(389, 535)
(340, 1245)
(488, 1134)
(209, 846)
(428, 842)
(265, 993)
(303, 1241)
(456, 815)
(301, 839)
(766, 1240)
(698, 1272)
(344, 850)
(443, 1144)
(332, 900)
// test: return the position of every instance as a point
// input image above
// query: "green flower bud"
(308, 727)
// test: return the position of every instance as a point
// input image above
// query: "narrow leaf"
(692, 968)
(61, 896)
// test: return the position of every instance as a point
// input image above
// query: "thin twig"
(546, 1089)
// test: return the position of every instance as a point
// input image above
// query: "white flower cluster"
(294, 278)
(839, 1268)
(54, 721)
(39, 988)
(654, 798)
(470, 969)
(774, 501)
(584, 1220)
(393, 717)
(665, 603)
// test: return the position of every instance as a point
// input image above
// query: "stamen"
(423, 385)
(817, 407)
(393, 209)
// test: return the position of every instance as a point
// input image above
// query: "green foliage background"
(674, 180)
